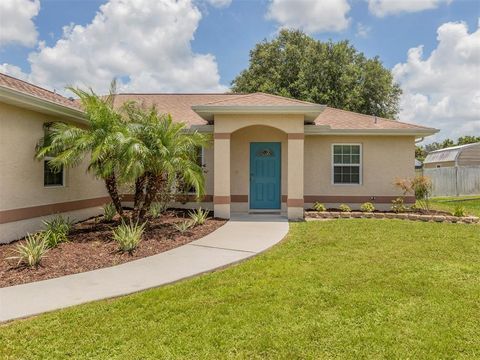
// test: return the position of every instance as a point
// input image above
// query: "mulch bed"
(91, 247)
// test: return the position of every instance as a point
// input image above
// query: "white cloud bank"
(219, 3)
(383, 8)
(144, 43)
(312, 16)
(16, 22)
(443, 90)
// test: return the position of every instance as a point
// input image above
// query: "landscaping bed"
(91, 247)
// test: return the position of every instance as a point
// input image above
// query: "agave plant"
(109, 212)
(128, 236)
(56, 230)
(31, 252)
(156, 209)
(183, 226)
(199, 216)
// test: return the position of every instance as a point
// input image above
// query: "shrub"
(56, 230)
(319, 207)
(128, 236)
(459, 211)
(398, 206)
(32, 251)
(367, 207)
(344, 208)
(156, 209)
(199, 216)
(183, 226)
(109, 211)
(422, 188)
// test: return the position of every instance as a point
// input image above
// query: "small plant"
(156, 209)
(344, 208)
(32, 251)
(367, 207)
(459, 211)
(398, 206)
(128, 236)
(56, 230)
(319, 207)
(198, 216)
(183, 226)
(109, 212)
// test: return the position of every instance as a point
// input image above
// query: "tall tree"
(335, 74)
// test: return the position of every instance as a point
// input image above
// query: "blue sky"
(224, 31)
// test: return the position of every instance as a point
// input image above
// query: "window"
(51, 177)
(347, 164)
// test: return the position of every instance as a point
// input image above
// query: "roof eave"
(326, 130)
(18, 98)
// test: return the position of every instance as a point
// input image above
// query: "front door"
(265, 175)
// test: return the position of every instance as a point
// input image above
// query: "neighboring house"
(268, 154)
(455, 170)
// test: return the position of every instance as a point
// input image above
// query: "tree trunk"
(111, 184)
(154, 183)
(139, 196)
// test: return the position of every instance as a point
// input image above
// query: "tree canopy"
(331, 73)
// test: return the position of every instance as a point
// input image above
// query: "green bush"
(156, 209)
(398, 206)
(31, 252)
(128, 236)
(56, 230)
(199, 216)
(459, 211)
(344, 208)
(319, 207)
(183, 226)
(109, 212)
(367, 207)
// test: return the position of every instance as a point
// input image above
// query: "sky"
(431, 46)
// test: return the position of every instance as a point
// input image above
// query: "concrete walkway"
(240, 238)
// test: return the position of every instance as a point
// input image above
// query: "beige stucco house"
(268, 154)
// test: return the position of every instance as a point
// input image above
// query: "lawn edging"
(389, 215)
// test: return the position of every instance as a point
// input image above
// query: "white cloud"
(219, 3)
(382, 8)
(311, 16)
(145, 44)
(362, 30)
(443, 90)
(16, 24)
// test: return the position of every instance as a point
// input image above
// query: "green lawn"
(348, 289)
(471, 204)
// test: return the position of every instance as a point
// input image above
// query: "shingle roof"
(34, 90)
(258, 99)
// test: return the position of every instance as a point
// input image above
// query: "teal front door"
(265, 175)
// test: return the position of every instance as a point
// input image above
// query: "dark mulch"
(91, 247)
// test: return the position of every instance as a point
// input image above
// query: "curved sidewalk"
(240, 238)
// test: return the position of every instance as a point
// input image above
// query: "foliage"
(298, 66)
(198, 216)
(367, 207)
(183, 226)
(470, 203)
(344, 208)
(56, 230)
(459, 211)
(319, 207)
(128, 236)
(31, 252)
(156, 209)
(398, 205)
(420, 186)
(101, 141)
(109, 212)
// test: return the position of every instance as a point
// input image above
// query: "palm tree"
(103, 140)
(160, 152)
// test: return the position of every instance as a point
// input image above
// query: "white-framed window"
(52, 178)
(346, 164)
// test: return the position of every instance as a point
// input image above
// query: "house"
(454, 171)
(268, 154)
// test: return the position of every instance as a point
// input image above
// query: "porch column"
(295, 176)
(221, 175)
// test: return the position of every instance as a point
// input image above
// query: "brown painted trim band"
(7, 216)
(221, 200)
(222, 136)
(179, 198)
(295, 202)
(295, 136)
(239, 198)
(355, 199)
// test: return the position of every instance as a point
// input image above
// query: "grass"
(349, 289)
(471, 204)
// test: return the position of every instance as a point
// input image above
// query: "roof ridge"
(243, 96)
(172, 93)
(224, 100)
(288, 98)
(32, 84)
